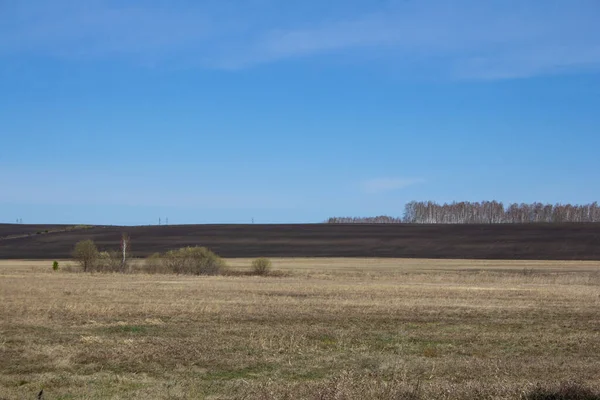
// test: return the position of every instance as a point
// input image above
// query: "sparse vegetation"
(154, 264)
(261, 266)
(82, 227)
(186, 261)
(335, 329)
(86, 254)
(110, 261)
(55, 266)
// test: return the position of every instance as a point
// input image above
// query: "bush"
(110, 261)
(155, 264)
(86, 254)
(55, 265)
(174, 261)
(205, 262)
(261, 266)
(193, 261)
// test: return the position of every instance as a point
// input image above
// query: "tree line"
(486, 212)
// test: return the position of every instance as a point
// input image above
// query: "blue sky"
(121, 112)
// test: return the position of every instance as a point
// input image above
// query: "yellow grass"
(328, 329)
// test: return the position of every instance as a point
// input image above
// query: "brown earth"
(507, 241)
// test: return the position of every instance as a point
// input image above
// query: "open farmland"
(568, 241)
(327, 329)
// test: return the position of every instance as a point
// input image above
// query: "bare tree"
(486, 212)
(86, 254)
(125, 248)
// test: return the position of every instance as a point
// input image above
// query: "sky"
(124, 112)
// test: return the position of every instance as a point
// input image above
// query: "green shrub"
(55, 265)
(261, 266)
(193, 261)
(204, 262)
(174, 261)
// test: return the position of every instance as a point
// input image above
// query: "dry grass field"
(326, 329)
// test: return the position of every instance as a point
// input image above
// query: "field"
(327, 329)
(568, 241)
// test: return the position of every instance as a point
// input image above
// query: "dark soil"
(506, 241)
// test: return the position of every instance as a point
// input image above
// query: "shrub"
(55, 265)
(261, 266)
(86, 254)
(155, 264)
(110, 261)
(193, 261)
(204, 261)
(174, 261)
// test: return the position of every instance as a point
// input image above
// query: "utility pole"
(159, 221)
(167, 221)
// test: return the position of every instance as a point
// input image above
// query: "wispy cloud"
(384, 185)
(465, 39)
(483, 40)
